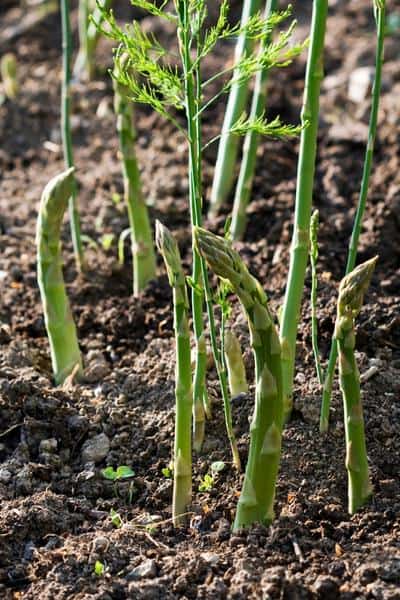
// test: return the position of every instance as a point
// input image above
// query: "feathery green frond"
(262, 126)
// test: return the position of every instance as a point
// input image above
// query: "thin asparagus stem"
(66, 131)
(314, 288)
(258, 492)
(60, 326)
(351, 294)
(304, 191)
(182, 492)
(85, 67)
(228, 146)
(247, 168)
(235, 365)
(362, 200)
(143, 255)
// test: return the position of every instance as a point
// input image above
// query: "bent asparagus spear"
(61, 330)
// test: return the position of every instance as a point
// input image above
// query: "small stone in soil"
(147, 568)
(95, 449)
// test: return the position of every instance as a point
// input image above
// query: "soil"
(56, 516)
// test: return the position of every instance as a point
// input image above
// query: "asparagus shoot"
(362, 200)
(304, 192)
(351, 293)
(60, 326)
(314, 284)
(234, 364)
(182, 492)
(143, 255)
(258, 492)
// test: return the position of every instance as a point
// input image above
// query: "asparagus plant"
(8, 71)
(303, 204)
(66, 130)
(60, 326)
(314, 284)
(258, 491)
(228, 146)
(247, 168)
(183, 376)
(379, 6)
(351, 293)
(143, 255)
(89, 14)
(234, 364)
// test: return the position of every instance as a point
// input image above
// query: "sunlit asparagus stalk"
(143, 255)
(84, 66)
(314, 285)
(355, 236)
(304, 192)
(351, 295)
(64, 348)
(257, 497)
(66, 131)
(182, 492)
(250, 144)
(234, 364)
(8, 71)
(236, 104)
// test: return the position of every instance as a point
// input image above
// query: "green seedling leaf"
(166, 471)
(116, 198)
(109, 473)
(124, 472)
(116, 519)
(99, 568)
(107, 240)
(217, 466)
(207, 483)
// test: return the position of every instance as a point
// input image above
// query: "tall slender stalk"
(60, 326)
(143, 255)
(84, 66)
(200, 275)
(304, 192)
(182, 492)
(247, 168)
(258, 493)
(351, 294)
(66, 131)
(228, 146)
(362, 200)
(314, 286)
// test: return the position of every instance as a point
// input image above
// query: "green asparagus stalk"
(250, 144)
(182, 492)
(60, 326)
(84, 67)
(236, 104)
(258, 492)
(351, 294)
(362, 200)
(314, 285)
(234, 364)
(8, 70)
(66, 131)
(304, 191)
(143, 255)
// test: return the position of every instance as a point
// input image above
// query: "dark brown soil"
(55, 517)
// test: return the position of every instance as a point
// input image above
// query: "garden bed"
(55, 514)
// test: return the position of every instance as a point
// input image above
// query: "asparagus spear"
(258, 492)
(8, 71)
(143, 255)
(64, 348)
(234, 364)
(351, 294)
(182, 492)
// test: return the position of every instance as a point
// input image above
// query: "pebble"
(49, 446)
(146, 569)
(95, 449)
(5, 476)
(326, 588)
(360, 83)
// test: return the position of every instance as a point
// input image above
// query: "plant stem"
(304, 191)
(245, 181)
(228, 146)
(84, 66)
(258, 492)
(314, 286)
(66, 131)
(362, 200)
(60, 326)
(182, 492)
(351, 293)
(200, 275)
(143, 255)
(234, 363)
